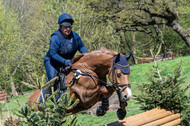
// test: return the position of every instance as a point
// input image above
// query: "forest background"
(136, 26)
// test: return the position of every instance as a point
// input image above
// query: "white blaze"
(129, 94)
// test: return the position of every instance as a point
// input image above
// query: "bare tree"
(141, 16)
(157, 12)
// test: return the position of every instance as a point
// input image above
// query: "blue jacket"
(63, 48)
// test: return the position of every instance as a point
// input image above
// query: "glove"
(68, 63)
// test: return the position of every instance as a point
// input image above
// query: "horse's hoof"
(121, 114)
(100, 111)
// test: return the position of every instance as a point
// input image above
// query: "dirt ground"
(113, 105)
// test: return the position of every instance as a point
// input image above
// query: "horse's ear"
(128, 56)
(117, 57)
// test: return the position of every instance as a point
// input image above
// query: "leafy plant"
(53, 112)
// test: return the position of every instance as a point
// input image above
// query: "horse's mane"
(102, 50)
(77, 58)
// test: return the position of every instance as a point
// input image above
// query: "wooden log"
(155, 117)
(3, 94)
(163, 120)
(145, 114)
(149, 118)
(2, 98)
(136, 117)
(172, 123)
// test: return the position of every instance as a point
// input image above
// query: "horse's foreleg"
(101, 110)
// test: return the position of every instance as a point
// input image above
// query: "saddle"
(59, 84)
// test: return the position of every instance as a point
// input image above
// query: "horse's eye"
(119, 75)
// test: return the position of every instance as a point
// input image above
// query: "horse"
(94, 87)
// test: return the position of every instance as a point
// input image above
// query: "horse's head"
(119, 77)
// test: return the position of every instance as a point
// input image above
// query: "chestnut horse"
(90, 89)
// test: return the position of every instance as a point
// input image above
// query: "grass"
(12, 104)
(138, 72)
(93, 120)
(109, 117)
(138, 75)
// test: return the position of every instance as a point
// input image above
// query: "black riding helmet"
(65, 20)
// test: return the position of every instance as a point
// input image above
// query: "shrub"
(54, 112)
(166, 92)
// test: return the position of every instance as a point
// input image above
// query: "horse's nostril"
(125, 96)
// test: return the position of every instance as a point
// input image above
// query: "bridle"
(114, 83)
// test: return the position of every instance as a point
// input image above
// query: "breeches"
(51, 70)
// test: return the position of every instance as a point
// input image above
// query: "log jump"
(155, 117)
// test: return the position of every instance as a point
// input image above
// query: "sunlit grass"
(13, 103)
(109, 117)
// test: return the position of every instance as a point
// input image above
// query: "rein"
(87, 74)
(114, 83)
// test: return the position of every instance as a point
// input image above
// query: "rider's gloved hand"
(68, 63)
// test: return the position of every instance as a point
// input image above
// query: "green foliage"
(1, 110)
(54, 112)
(184, 14)
(166, 93)
(172, 41)
(26, 26)
(9, 46)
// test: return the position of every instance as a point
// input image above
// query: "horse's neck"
(98, 63)
(102, 67)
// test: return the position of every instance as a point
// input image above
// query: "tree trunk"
(13, 89)
(122, 42)
(134, 47)
(129, 47)
(184, 35)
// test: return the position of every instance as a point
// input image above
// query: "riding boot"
(62, 78)
(61, 85)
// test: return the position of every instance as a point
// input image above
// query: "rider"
(64, 43)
